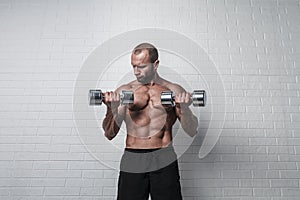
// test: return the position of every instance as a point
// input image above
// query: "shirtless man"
(149, 129)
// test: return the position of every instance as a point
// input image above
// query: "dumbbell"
(96, 97)
(198, 98)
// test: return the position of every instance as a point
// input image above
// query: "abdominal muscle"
(152, 135)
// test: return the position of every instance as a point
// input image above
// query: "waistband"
(146, 160)
(141, 150)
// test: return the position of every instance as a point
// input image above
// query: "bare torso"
(148, 123)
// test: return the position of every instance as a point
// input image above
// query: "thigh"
(165, 183)
(133, 186)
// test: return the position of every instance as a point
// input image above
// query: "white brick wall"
(255, 45)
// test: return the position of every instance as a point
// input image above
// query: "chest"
(147, 97)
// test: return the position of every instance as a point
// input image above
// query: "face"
(143, 69)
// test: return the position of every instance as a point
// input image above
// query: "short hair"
(153, 53)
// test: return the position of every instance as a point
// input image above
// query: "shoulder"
(174, 87)
(127, 86)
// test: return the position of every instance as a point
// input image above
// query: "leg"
(165, 184)
(133, 186)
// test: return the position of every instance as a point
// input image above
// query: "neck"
(155, 80)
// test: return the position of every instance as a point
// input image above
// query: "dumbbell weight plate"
(95, 97)
(199, 98)
(127, 97)
(167, 98)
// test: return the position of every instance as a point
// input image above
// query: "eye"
(142, 66)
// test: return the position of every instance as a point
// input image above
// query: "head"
(144, 60)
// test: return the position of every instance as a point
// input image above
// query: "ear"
(156, 63)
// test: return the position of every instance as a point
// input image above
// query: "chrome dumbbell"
(198, 98)
(96, 97)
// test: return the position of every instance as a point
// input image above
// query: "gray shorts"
(151, 172)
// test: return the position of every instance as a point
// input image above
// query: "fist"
(183, 99)
(112, 99)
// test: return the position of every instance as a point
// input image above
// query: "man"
(149, 164)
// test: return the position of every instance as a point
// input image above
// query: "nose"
(136, 71)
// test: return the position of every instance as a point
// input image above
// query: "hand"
(112, 99)
(183, 99)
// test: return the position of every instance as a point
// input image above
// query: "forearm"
(189, 121)
(112, 123)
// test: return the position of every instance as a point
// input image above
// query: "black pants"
(161, 183)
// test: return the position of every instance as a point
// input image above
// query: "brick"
(272, 192)
(48, 182)
(282, 166)
(290, 192)
(251, 149)
(266, 158)
(26, 191)
(290, 174)
(31, 156)
(265, 174)
(24, 173)
(78, 182)
(93, 174)
(255, 183)
(61, 191)
(91, 191)
(253, 165)
(209, 183)
(207, 174)
(284, 183)
(60, 165)
(280, 149)
(109, 191)
(235, 158)
(236, 174)
(262, 141)
(239, 192)
(14, 182)
(64, 173)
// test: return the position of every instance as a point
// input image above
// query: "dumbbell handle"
(96, 97)
(198, 98)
